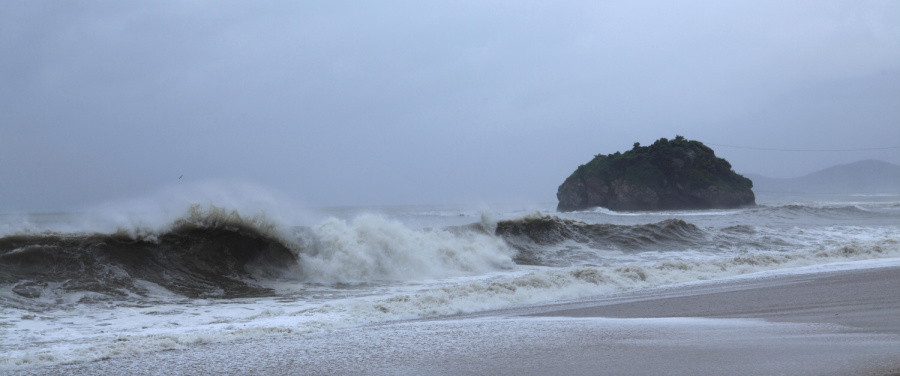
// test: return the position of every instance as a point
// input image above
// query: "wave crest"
(373, 249)
(532, 236)
(208, 252)
(217, 252)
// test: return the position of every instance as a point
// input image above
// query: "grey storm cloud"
(373, 103)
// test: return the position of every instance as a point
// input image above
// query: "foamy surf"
(185, 283)
(373, 249)
(212, 321)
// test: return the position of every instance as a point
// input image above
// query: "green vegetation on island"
(653, 165)
(669, 174)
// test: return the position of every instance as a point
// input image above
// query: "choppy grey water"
(78, 287)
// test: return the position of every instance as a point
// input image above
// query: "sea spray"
(363, 269)
(373, 249)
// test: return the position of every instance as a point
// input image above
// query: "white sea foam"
(372, 249)
(373, 268)
(544, 285)
(57, 337)
(667, 213)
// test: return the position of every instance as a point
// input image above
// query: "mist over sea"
(87, 286)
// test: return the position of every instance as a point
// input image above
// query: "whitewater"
(79, 287)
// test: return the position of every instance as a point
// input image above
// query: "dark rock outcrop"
(668, 175)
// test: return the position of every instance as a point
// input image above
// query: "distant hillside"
(869, 176)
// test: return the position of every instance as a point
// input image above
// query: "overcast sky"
(426, 102)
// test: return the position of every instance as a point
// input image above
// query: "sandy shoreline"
(867, 300)
(830, 323)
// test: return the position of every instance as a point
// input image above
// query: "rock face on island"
(668, 175)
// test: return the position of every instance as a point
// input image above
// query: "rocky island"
(668, 175)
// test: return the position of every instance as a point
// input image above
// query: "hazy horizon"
(367, 104)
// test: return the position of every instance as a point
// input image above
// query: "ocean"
(80, 287)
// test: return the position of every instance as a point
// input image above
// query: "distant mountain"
(868, 176)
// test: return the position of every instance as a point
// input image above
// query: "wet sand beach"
(825, 323)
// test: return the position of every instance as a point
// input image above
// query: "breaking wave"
(209, 252)
(372, 249)
(213, 252)
(372, 269)
(532, 235)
